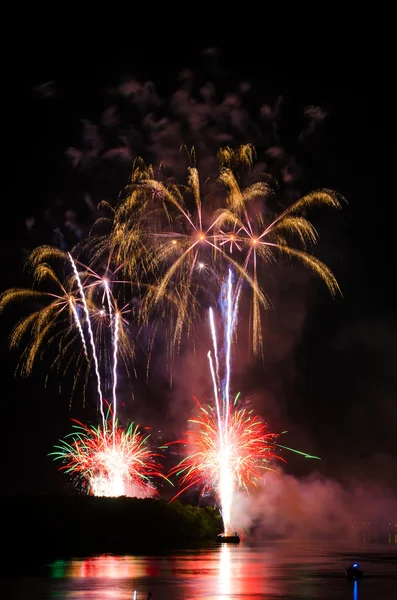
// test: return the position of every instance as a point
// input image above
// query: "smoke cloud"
(316, 507)
(140, 118)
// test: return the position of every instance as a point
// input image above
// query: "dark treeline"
(60, 525)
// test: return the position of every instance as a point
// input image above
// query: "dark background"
(329, 375)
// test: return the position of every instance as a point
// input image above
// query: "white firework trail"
(79, 327)
(115, 352)
(91, 335)
(229, 309)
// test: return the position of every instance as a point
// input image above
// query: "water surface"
(273, 570)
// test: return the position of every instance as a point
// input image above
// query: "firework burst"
(186, 237)
(228, 448)
(111, 461)
(56, 317)
(214, 465)
(73, 318)
(164, 250)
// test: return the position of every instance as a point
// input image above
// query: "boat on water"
(228, 538)
(354, 571)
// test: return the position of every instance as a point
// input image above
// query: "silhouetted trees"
(49, 525)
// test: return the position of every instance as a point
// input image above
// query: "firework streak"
(91, 335)
(229, 448)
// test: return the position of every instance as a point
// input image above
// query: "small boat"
(225, 538)
(354, 571)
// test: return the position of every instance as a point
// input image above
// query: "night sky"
(329, 374)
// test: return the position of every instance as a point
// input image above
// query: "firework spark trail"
(107, 291)
(235, 309)
(115, 352)
(215, 375)
(226, 476)
(228, 343)
(87, 314)
(78, 324)
(229, 314)
(114, 337)
(216, 395)
(214, 342)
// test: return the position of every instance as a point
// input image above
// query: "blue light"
(355, 565)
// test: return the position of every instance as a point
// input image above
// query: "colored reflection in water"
(224, 571)
(265, 571)
(104, 567)
(355, 590)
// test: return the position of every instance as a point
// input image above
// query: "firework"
(226, 462)
(164, 249)
(55, 320)
(110, 461)
(229, 448)
(73, 318)
(187, 252)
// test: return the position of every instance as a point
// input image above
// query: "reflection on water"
(277, 570)
(108, 567)
(355, 590)
(224, 570)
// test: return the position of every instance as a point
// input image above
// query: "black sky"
(333, 382)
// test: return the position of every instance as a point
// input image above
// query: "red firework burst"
(111, 461)
(244, 451)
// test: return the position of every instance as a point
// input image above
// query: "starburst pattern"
(111, 461)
